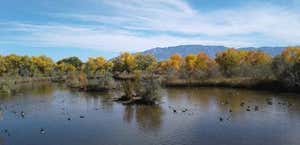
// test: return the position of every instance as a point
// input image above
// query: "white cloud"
(100, 38)
(136, 25)
(178, 17)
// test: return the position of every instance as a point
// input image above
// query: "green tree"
(75, 61)
(145, 62)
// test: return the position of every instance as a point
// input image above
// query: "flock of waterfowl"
(248, 108)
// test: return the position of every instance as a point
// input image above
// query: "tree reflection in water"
(148, 118)
(225, 101)
(2, 141)
(34, 90)
(1, 114)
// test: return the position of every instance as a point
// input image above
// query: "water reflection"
(207, 98)
(2, 142)
(35, 90)
(98, 100)
(196, 120)
(1, 114)
(233, 102)
(148, 118)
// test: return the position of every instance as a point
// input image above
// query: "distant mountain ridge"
(163, 53)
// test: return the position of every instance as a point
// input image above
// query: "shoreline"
(238, 83)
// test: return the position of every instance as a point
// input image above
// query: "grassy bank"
(236, 82)
(247, 83)
(8, 84)
(31, 80)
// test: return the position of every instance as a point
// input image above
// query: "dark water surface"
(54, 115)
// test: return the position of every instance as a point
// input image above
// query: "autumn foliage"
(230, 63)
(286, 67)
(243, 63)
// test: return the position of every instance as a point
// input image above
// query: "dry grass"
(226, 82)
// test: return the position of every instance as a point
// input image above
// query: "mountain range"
(163, 53)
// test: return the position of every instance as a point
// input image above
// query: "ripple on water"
(50, 114)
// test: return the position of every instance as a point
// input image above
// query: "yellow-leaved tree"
(291, 55)
(13, 64)
(3, 64)
(65, 68)
(98, 65)
(230, 60)
(190, 63)
(126, 62)
(45, 65)
(175, 62)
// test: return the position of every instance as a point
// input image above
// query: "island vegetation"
(140, 75)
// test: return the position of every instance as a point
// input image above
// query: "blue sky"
(89, 28)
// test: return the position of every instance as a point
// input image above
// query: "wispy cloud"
(177, 16)
(98, 38)
(136, 25)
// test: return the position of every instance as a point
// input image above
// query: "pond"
(49, 114)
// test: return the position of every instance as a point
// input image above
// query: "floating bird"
(242, 104)
(22, 114)
(256, 108)
(42, 131)
(221, 119)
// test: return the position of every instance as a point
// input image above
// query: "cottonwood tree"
(45, 65)
(126, 62)
(75, 61)
(98, 65)
(145, 62)
(3, 65)
(287, 66)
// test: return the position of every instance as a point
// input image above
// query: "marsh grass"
(7, 85)
(95, 83)
(140, 90)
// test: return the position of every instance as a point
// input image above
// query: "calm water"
(54, 115)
